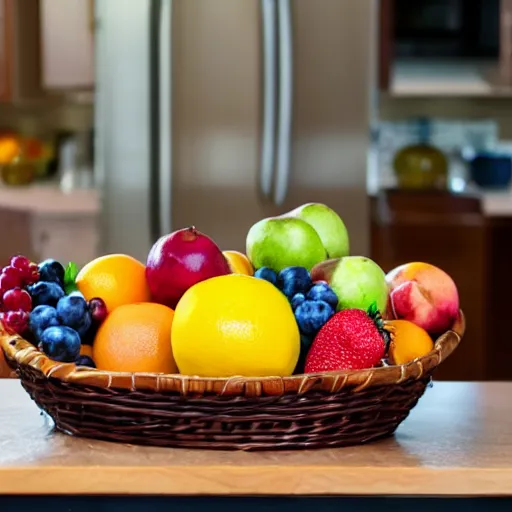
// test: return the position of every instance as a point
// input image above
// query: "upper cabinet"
(67, 44)
(19, 44)
(5, 67)
(446, 47)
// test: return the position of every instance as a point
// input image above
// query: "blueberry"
(311, 315)
(85, 361)
(322, 291)
(45, 293)
(60, 343)
(267, 274)
(305, 345)
(297, 300)
(41, 318)
(51, 271)
(73, 312)
(292, 280)
(88, 337)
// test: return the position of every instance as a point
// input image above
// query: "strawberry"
(352, 339)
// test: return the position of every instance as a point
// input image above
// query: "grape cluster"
(16, 302)
(313, 303)
(35, 305)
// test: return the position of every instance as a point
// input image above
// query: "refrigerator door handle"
(165, 128)
(155, 13)
(269, 50)
(285, 101)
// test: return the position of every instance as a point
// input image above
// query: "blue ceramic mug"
(491, 170)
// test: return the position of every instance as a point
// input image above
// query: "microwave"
(461, 29)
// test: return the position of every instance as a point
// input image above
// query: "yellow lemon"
(235, 325)
(239, 263)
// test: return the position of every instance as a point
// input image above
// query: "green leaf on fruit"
(70, 277)
(373, 310)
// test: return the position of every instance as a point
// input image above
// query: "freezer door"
(333, 77)
(219, 115)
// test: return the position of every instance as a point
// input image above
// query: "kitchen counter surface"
(48, 199)
(497, 204)
(457, 442)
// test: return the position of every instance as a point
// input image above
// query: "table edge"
(256, 481)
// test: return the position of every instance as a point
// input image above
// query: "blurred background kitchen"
(120, 121)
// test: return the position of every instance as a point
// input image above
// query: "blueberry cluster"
(61, 323)
(313, 303)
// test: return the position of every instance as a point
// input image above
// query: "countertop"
(48, 199)
(457, 441)
(497, 204)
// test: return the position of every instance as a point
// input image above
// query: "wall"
(497, 108)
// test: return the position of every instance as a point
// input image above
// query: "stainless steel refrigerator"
(217, 113)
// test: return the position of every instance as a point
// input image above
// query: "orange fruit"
(239, 263)
(118, 279)
(86, 350)
(409, 341)
(136, 338)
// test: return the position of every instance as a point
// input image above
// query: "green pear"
(359, 282)
(280, 242)
(328, 225)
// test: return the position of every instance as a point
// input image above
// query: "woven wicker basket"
(302, 411)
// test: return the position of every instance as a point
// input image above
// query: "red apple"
(178, 261)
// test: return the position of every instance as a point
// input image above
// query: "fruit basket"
(322, 410)
(296, 344)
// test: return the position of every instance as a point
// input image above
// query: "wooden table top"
(458, 441)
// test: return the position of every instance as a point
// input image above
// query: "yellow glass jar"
(421, 166)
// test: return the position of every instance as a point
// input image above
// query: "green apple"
(280, 242)
(359, 282)
(328, 225)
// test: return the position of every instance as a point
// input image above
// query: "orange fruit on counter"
(136, 338)
(9, 149)
(118, 279)
(239, 263)
(409, 341)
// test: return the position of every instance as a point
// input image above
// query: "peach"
(423, 294)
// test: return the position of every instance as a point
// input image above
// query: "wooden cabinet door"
(67, 44)
(386, 42)
(5, 49)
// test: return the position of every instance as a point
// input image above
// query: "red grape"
(17, 300)
(29, 271)
(10, 278)
(98, 310)
(32, 275)
(16, 321)
(20, 262)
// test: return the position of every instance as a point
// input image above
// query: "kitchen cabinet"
(67, 49)
(19, 43)
(41, 222)
(451, 232)
(5, 49)
(445, 48)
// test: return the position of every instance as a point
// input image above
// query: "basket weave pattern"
(302, 411)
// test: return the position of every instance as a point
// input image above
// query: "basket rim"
(20, 352)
